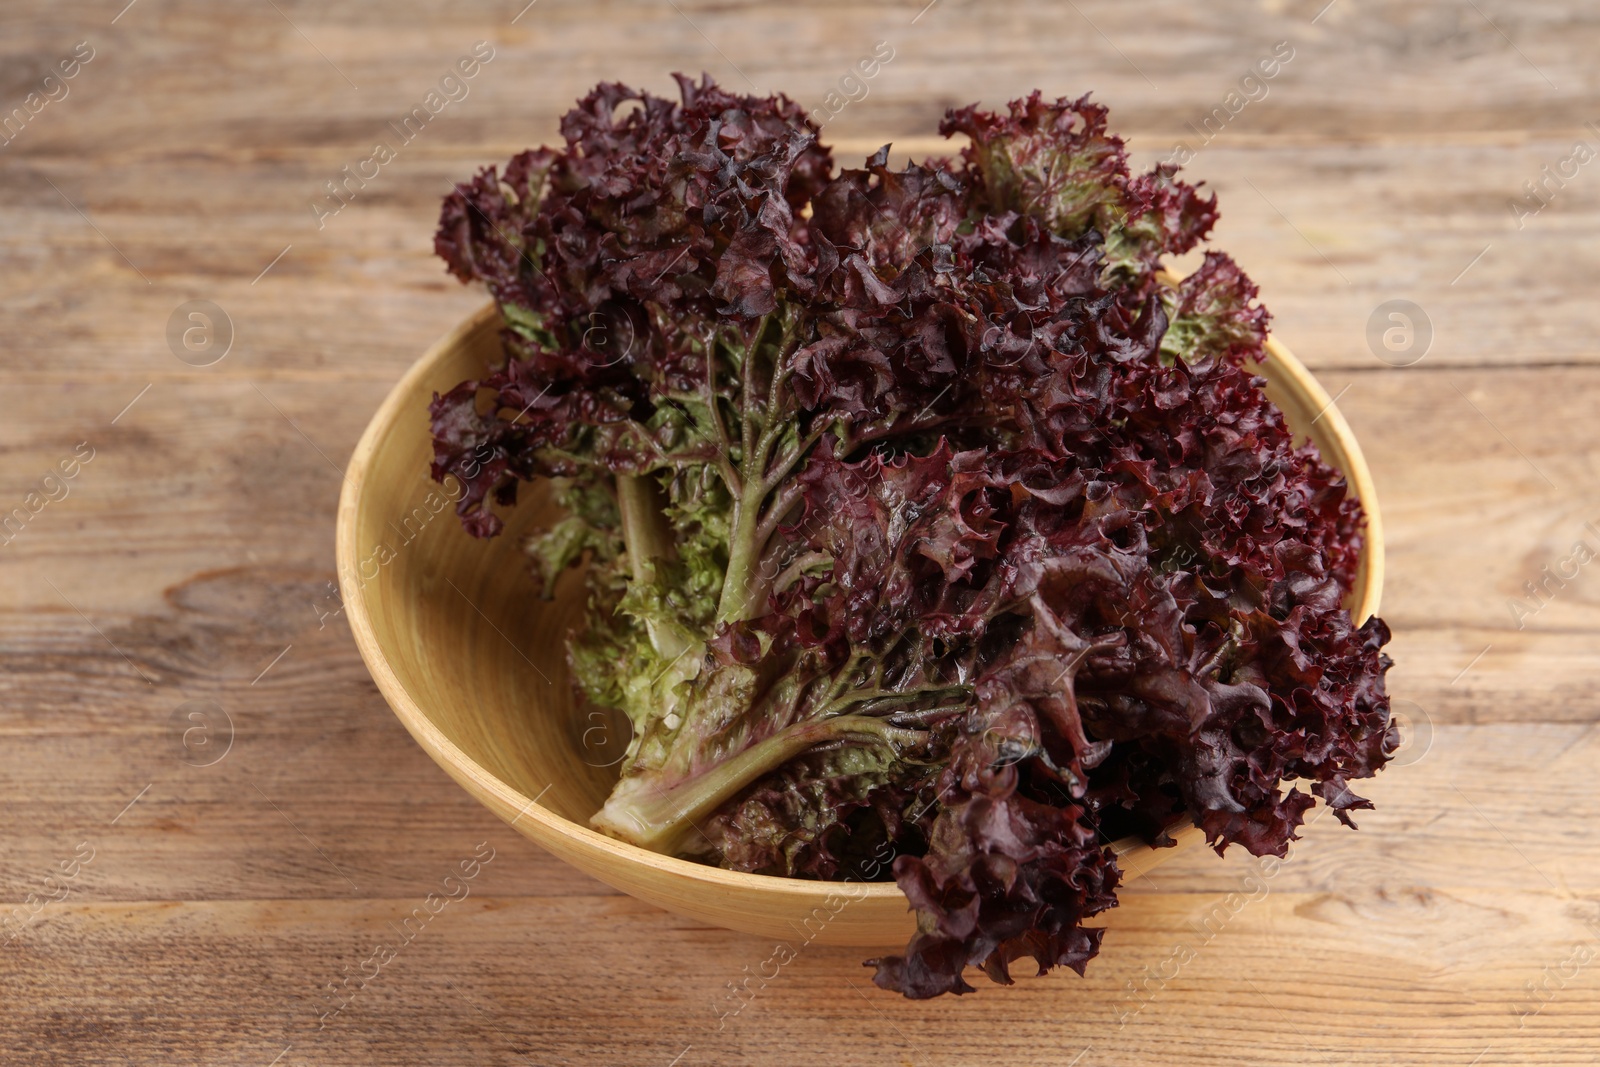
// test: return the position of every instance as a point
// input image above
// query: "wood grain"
(197, 545)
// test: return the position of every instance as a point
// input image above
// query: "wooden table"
(176, 599)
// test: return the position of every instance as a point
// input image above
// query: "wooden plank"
(162, 478)
(1366, 977)
(189, 562)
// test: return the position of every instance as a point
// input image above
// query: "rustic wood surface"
(186, 571)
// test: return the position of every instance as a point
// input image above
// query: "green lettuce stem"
(663, 819)
(645, 532)
(761, 475)
(741, 553)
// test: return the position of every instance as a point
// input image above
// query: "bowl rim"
(547, 825)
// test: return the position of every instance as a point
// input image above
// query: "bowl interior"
(456, 618)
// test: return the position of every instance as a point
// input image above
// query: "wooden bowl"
(474, 665)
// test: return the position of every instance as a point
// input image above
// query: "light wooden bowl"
(474, 665)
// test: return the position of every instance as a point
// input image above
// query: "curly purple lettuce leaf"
(929, 528)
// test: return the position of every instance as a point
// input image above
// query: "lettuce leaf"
(929, 528)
